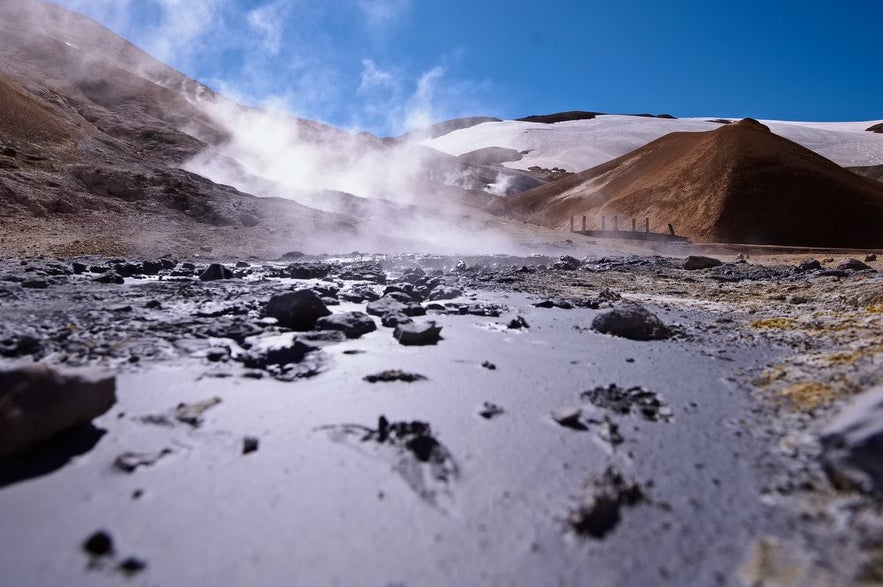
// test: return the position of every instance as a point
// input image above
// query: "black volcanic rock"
(631, 321)
(352, 324)
(297, 310)
(215, 272)
(418, 334)
(694, 262)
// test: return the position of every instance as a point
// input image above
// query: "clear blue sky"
(385, 65)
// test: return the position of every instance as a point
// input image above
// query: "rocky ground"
(419, 419)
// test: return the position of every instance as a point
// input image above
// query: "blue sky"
(389, 65)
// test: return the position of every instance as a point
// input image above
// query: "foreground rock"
(297, 310)
(352, 324)
(633, 322)
(37, 403)
(415, 334)
(694, 262)
(215, 272)
(852, 445)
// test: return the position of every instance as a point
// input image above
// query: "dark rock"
(489, 366)
(132, 565)
(151, 267)
(569, 418)
(490, 410)
(352, 324)
(390, 305)
(99, 269)
(99, 543)
(424, 333)
(78, 268)
(35, 284)
(153, 305)
(292, 255)
(601, 509)
(129, 462)
(18, 346)
(567, 263)
(371, 273)
(308, 270)
(110, 277)
(518, 323)
(394, 375)
(285, 357)
(128, 269)
(214, 272)
(852, 445)
(394, 319)
(242, 264)
(554, 303)
(694, 262)
(852, 265)
(645, 403)
(808, 265)
(250, 444)
(297, 310)
(445, 293)
(833, 273)
(605, 299)
(631, 321)
(870, 258)
(37, 403)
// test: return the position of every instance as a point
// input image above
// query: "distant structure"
(634, 233)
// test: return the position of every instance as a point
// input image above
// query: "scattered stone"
(394, 375)
(601, 509)
(554, 303)
(308, 270)
(852, 265)
(110, 277)
(192, 413)
(128, 462)
(78, 268)
(808, 265)
(634, 400)
(489, 366)
(215, 272)
(285, 357)
(37, 403)
(870, 258)
(390, 305)
(852, 445)
(605, 299)
(631, 321)
(352, 324)
(518, 323)
(490, 410)
(297, 310)
(100, 543)
(566, 263)
(414, 334)
(132, 566)
(392, 320)
(445, 293)
(694, 262)
(250, 444)
(35, 284)
(569, 418)
(153, 305)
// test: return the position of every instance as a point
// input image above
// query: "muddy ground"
(523, 447)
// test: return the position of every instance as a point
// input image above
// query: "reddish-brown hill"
(739, 183)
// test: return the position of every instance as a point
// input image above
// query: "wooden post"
(671, 229)
(616, 223)
(633, 225)
(647, 225)
(603, 224)
(571, 224)
(584, 223)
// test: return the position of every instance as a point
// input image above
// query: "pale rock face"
(37, 403)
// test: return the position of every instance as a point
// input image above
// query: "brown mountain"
(739, 184)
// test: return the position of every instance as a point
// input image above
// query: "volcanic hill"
(737, 184)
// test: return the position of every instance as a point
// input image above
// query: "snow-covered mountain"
(581, 144)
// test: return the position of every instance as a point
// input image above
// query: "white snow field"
(582, 144)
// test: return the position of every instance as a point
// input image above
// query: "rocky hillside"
(739, 184)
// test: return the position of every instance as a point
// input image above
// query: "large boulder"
(352, 324)
(418, 334)
(37, 403)
(388, 304)
(631, 321)
(852, 444)
(694, 262)
(297, 310)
